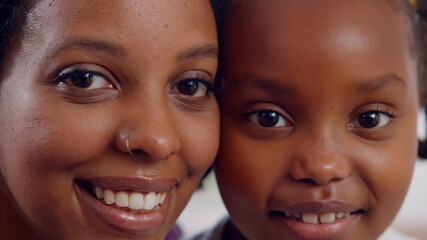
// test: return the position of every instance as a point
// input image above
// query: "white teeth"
(136, 201)
(340, 215)
(109, 197)
(317, 219)
(99, 193)
(310, 218)
(327, 218)
(150, 201)
(162, 197)
(157, 198)
(122, 199)
(133, 200)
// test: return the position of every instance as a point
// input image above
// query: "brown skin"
(320, 65)
(53, 133)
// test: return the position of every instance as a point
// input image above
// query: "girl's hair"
(219, 8)
(422, 16)
(13, 15)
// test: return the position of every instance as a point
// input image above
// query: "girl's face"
(90, 76)
(318, 137)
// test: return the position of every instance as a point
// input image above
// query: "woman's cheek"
(200, 141)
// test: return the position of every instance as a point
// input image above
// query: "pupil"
(267, 118)
(82, 80)
(369, 120)
(189, 87)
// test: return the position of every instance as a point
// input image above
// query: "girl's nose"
(150, 132)
(321, 160)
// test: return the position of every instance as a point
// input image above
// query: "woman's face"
(318, 134)
(91, 80)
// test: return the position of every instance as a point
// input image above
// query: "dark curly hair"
(422, 13)
(13, 15)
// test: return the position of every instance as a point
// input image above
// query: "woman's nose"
(321, 160)
(150, 131)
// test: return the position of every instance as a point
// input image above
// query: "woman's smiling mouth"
(133, 201)
(135, 205)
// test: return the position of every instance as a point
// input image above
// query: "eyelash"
(65, 76)
(384, 110)
(282, 116)
(195, 95)
(215, 87)
(358, 122)
(378, 109)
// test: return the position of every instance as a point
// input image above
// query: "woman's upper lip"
(319, 207)
(142, 184)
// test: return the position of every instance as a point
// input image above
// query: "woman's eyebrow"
(370, 86)
(204, 51)
(89, 44)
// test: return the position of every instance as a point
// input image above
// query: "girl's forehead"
(320, 16)
(334, 28)
(329, 12)
(345, 41)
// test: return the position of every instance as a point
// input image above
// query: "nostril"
(306, 181)
(318, 178)
(154, 144)
(319, 168)
(137, 151)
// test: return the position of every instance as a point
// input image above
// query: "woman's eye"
(86, 80)
(193, 88)
(86, 83)
(372, 119)
(268, 119)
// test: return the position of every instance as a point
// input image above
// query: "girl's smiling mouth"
(135, 205)
(314, 218)
(318, 220)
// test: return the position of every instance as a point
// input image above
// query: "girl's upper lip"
(319, 207)
(142, 184)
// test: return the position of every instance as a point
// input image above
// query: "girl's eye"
(372, 119)
(268, 119)
(193, 88)
(86, 80)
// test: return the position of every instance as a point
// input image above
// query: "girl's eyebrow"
(90, 44)
(370, 86)
(268, 84)
(203, 51)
